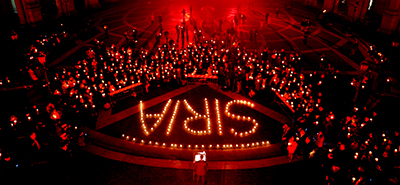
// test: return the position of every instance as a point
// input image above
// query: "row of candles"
(218, 117)
(159, 116)
(202, 146)
(173, 118)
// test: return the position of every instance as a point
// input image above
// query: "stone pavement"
(105, 118)
(280, 33)
(187, 165)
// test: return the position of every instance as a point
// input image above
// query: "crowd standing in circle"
(350, 150)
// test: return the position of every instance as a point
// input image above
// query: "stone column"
(33, 12)
(390, 19)
(21, 11)
(364, 8)
(357, 10)
(353, 11)
(329, 5)
(336, 4)
(59, 7)
(68, 7)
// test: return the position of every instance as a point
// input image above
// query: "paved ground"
(92, 169)
(282, 32)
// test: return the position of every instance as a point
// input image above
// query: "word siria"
(196, 116)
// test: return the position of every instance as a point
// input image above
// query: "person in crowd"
(199, 170)
(291, 148)
(152, 18)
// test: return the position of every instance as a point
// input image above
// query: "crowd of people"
(349, 143)
(38, 132)
(346, 143)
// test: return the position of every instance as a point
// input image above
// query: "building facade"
(387, 11)
(32, 11)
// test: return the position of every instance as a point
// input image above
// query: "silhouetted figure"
(183, 15)
(255, 35)
(178, 31)
(200, 169)
(160, 18)
(305, 37)
(187, 33)
(126, 35)
(220, 24)
(106, 30)
(236, 20)
(354, 48)
(152, 18)
(252, 35)
(183, 35)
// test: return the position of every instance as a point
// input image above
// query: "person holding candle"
(199, 170)
(291, 148)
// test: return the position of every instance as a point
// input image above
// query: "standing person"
(134, 33)
(255, 35)
(183, 35)
(236, 20)
(303, 24)
(152, 18)
(187, 32)
(285, 135)
(292, 145)
(126, 35)
(305, 37)
(160, 19)
(183, 15)
(134, 36)
(158, 38)
(238, 80)
(106, 30)
(354, 48)
(220, 24)
(166, 34)
(277, 13)
(261, 25)
(178, 31)
(243, 17)
(200, 169)
(161, 28)
(251, 35)
(266, 17)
